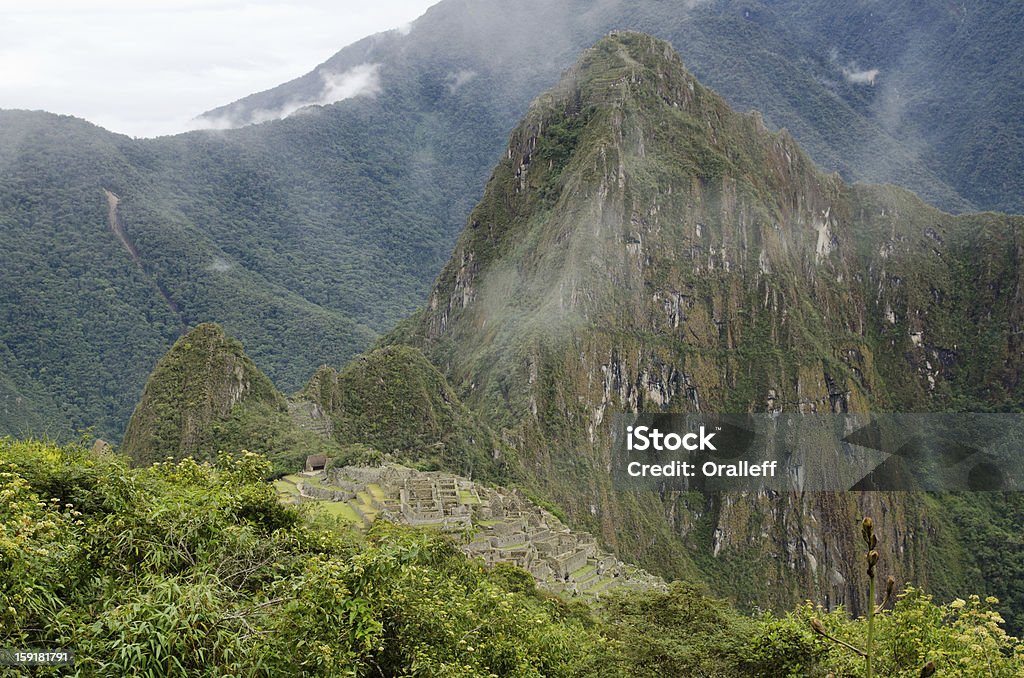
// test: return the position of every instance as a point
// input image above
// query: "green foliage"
(677, 633)
(358, 454)
(964, 638)
(188, 569)
(25, 407)
(262, 428)
(555, 147)
(193, 569)
(393, 400)
(989, 526)
(201, 381)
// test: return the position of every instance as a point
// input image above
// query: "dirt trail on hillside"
(114, 220)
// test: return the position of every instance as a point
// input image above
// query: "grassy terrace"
(342, 510)
(377, 491)
(348, 511)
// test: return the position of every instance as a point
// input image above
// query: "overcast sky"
(147, 67)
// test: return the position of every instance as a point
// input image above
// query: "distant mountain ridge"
(873, 91)
(308, 237)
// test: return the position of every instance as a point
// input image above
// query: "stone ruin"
(496, 525)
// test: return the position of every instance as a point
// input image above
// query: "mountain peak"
(625, 139)
(644, 248)
(625, 61)
(196, 384)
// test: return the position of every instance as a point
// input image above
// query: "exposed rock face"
(193, 388)
(644, 248)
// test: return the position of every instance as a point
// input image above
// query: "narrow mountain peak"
(626, 138)
(196, 385)
(625, 61)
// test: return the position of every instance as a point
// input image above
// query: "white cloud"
(361, 80)
(147, 67)
(219, 265)
(18, 67)
(866, 77)
(358, 81)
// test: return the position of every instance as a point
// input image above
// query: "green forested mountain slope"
(393, 400)
(206, 396)
(195, 386)
(307, 236)
(76, 315)
(25, 408)
(949, 83)
(103, 266)
(938, 117)
(644, 248)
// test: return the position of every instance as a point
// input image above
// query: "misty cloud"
(459, 78)
(361, 80)
(866, 77)
(220, 265)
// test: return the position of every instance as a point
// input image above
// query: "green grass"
(512, 547)
(583, 572)
(376, 491)
(286, 487)
(339, 509)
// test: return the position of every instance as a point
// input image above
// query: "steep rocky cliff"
(644, 248)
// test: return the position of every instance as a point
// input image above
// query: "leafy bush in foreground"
(189, 569)
(193, 569)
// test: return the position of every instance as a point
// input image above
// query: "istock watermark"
(826, 453)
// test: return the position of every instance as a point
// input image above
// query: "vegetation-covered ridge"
(642, 247)
(189, 569)
(206, 395)
(395, 401)
(305, 237)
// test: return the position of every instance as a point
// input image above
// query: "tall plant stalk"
(869, 652)
(867, 532)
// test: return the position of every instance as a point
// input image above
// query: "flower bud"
(866, 529)
(872, 559)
